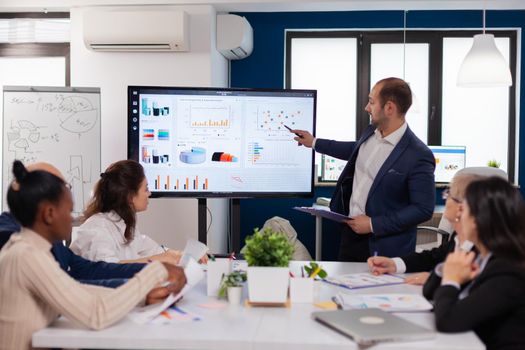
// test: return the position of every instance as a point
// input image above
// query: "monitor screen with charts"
(331, 168)
(449, 159)
(214, 142)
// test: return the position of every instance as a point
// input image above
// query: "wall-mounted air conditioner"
(234, 37)
(106, 30)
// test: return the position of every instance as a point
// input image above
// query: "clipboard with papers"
(324, 212)
(364, 280)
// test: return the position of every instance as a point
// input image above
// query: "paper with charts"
(194, 274)
(387, 302)
(364, 280)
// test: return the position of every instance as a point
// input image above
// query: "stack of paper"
(386, 302)
(364, 280)
(145, 314)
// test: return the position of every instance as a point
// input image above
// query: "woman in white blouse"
(109, 232)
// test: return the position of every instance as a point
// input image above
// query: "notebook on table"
(368, 326)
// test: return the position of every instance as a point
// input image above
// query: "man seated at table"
(85, 271)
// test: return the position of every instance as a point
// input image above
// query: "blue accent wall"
(264, 68)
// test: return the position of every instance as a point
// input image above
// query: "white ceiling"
(270, 5)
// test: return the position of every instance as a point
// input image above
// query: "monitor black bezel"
(133, 149)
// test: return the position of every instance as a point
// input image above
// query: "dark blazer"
(85, 271)
(428, 259)
(494, 308)
(402, 194)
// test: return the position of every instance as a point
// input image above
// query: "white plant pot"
(234, 295)
(268, 284)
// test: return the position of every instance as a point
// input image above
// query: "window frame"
(38, 49)
(435, 40)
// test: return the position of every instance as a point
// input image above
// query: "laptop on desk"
(368, 326)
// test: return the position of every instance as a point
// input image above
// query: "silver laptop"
(367, 326)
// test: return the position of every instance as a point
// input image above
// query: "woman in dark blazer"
(492, 303)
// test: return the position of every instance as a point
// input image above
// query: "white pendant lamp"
(484, 65)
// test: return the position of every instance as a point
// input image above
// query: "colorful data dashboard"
(221, 142)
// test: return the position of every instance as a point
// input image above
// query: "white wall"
(169, 221)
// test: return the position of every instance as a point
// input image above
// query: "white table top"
(239, 327)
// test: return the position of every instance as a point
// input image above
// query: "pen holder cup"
(301, 290)
(216, 269)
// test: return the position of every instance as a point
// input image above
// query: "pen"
(164, 248)
(336, 301)
(212, 257)
(315, 272)
(287, 127)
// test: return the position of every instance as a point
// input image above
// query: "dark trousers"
(353, 247)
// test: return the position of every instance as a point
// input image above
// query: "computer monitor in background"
(214, 142)
(331, 168)
(449, 159)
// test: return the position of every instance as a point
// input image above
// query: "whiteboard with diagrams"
(58, 125)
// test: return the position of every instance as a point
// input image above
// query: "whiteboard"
(57, 125)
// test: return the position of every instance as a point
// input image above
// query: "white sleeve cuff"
(313, 143)
(439, 269)
(400, 265)
(451, 283)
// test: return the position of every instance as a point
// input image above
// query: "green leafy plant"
(315, 269)
(268, 248)
(233, 279)
(493, 163)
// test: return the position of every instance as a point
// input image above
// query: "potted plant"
(231, 285)
(268, 254)
(493, 163)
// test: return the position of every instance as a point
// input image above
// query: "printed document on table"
(324, 212)
(392, 302)
(364, 280)
(145, 314)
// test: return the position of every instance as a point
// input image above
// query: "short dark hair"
(117, 184)
(499, 213)
(395, 90)
(29, 189)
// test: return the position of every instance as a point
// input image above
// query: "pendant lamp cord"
(484, 15)
(404, 40)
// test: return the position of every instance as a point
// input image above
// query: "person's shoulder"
(17, 249)
(97, 220)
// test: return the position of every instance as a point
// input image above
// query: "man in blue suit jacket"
(387, 187)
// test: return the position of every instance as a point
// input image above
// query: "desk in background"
(238, 327)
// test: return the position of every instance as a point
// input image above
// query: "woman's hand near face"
(460, 267)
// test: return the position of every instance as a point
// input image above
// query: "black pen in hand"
(300, 136)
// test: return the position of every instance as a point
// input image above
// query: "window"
(441, 114)
(315, 62)
(34, 50)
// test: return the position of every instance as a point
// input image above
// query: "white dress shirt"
(101, 238)
(371, 157)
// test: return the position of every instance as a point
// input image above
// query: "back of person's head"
(114, 192)
(397, 91)
(461, 181)
(31, 188)
(499, 214)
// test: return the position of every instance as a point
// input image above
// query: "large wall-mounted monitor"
(210, 142)
(449, 159)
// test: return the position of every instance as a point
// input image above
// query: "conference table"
(232, 327)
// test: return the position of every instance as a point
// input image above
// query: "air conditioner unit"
(136, 30)
(234, 37)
